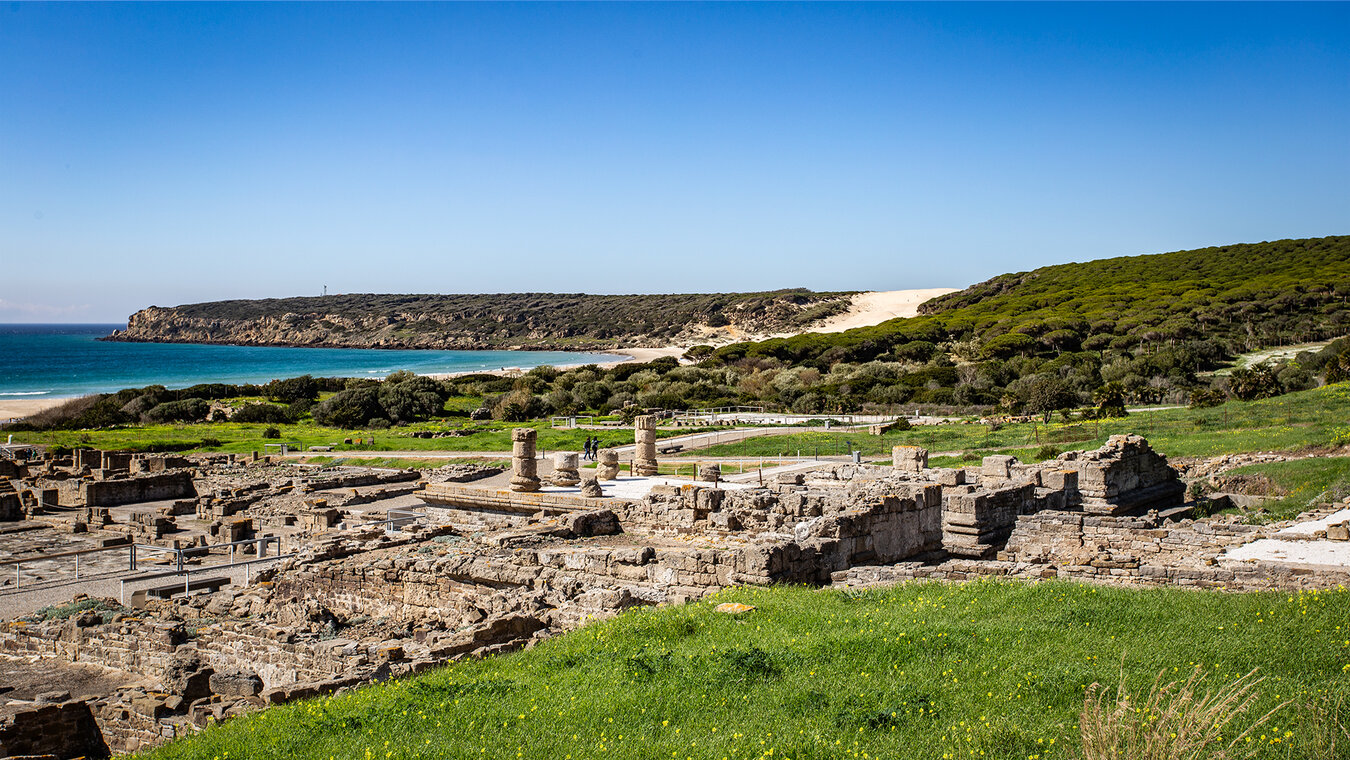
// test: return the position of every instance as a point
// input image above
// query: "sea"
(66, 360)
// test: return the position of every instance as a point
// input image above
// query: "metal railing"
(134, 552)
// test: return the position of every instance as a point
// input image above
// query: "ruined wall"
(1125, 475)
(65, 730)
(110, 493)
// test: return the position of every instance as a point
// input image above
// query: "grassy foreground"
(984, 669)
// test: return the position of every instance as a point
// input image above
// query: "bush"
(271, 433)
(293, 389)
(1207, 397)
(262, 413)
(187, 410)
(350, 408)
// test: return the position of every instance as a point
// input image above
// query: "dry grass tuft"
(1177, 721)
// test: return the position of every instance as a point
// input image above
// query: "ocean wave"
(24, 393)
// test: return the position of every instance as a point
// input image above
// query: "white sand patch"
(1312, 526)
(1321, 553)
(1296, 550)
(876, 307)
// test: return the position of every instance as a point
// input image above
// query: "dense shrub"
(350, 408)
(261, 413)
(187, 410)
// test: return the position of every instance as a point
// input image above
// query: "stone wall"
(63, 730)
(134, 490)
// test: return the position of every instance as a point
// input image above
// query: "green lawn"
(923, 671)
(243, 438)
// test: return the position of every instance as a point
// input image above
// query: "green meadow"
(923, 671)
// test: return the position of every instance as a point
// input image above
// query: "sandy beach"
(13, 409)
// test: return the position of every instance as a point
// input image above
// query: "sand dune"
(878, 306)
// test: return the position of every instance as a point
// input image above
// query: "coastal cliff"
(501, 321)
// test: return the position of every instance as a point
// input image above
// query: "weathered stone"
(601, 522)
(909, 458)
(565, 469)
(607, 467)
(591, 489)
(236, 683)
(644, 455)
(710, 473)
(524, 466)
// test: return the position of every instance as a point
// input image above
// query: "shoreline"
(17, 408)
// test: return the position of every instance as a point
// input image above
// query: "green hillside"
(924, 671)
(1233, 298)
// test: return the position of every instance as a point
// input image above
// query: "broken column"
(524, 467)
(909, 458)
(608, 466)
(710, 472)
(644, 456)
(565, 469)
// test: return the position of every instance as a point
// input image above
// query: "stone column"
(608, 466)
(524, 467)
(710, 472)
(565, 469)
(644, 433)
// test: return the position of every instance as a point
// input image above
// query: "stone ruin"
(490, 569)
(644, 456)
(524, 465)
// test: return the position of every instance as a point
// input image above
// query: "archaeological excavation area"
(145, 596)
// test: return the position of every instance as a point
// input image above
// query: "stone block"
(909, 458)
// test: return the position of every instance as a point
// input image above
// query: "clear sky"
(174, 153)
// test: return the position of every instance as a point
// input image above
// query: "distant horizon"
(221, 151)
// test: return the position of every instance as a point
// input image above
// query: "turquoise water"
(56, 361)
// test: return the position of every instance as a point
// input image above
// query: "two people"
(590, 449)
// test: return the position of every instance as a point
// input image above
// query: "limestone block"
(998, 466)
(607, 467)
(948, 477)
(710, 473)
(909, 458)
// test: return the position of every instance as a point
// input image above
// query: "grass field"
(1294, 421)
(985, 669)
(243, 438)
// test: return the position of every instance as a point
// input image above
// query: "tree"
(1256, 382)
(1006, 345)
(292, 389)
(1048, 394)
(1110, 400)
(350, 408)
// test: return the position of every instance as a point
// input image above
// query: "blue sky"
(173, 153)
